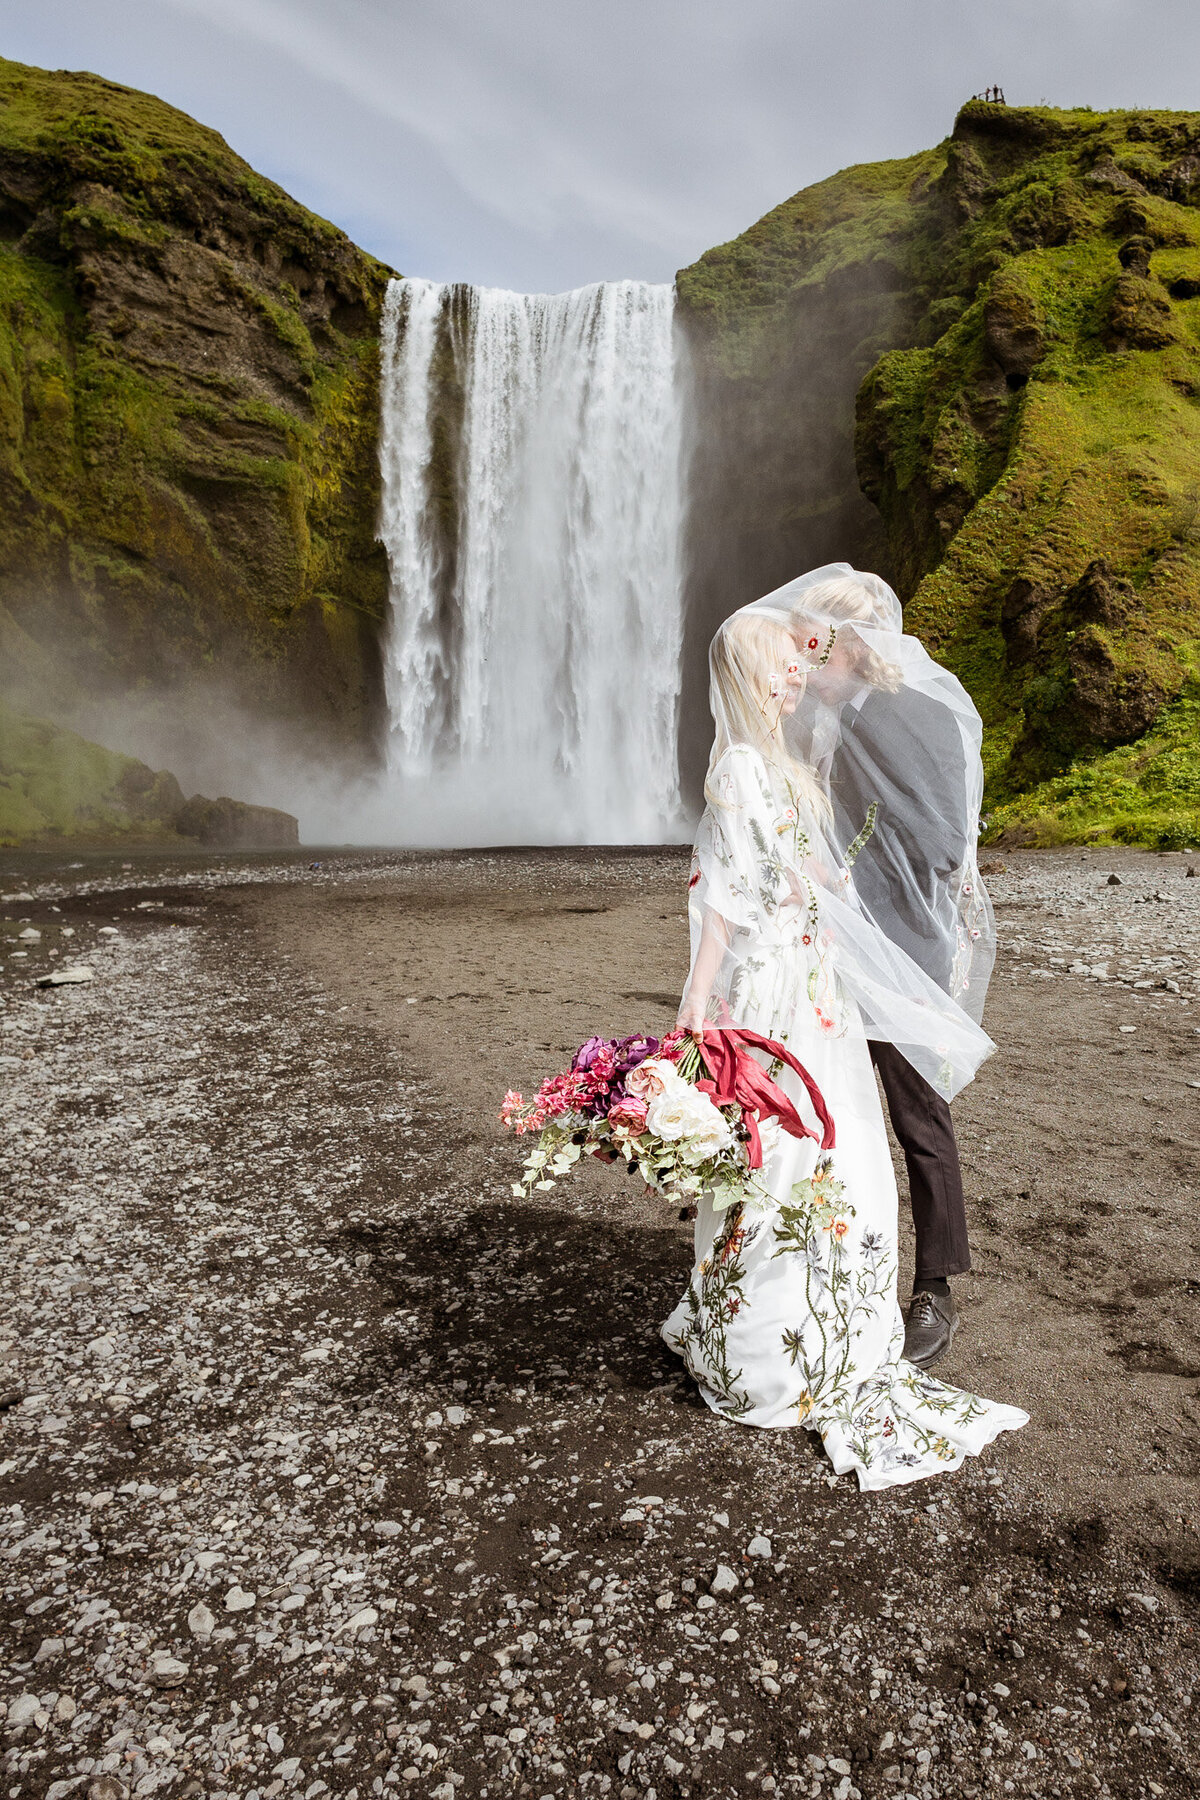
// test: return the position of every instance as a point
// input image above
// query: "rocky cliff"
(188, 478)
(978, 369)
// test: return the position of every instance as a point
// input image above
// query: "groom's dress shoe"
(929, 1327)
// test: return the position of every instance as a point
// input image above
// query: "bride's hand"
(691, 1018)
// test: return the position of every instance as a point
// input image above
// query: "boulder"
(1139, 315)
(226, 824)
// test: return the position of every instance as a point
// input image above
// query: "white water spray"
(531, 463)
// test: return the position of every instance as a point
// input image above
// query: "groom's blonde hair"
(844, 599)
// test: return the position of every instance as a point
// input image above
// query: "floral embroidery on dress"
(712, 1301)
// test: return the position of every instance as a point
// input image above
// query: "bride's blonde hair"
(750, 648)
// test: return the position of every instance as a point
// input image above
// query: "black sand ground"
(274, 1330)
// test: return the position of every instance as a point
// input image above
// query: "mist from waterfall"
(532, 507)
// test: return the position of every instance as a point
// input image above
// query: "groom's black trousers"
(921, 1121)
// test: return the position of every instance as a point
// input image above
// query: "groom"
(903, 752)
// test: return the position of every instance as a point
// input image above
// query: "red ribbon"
(738, 1079)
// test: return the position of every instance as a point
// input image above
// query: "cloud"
(544, 143)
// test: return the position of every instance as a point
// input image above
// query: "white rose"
(681, 1114)
(708, 1139)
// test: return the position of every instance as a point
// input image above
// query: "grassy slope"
(1038, 466)
(1034, 416)
(56, 787)
(783, 324)
(188, 375)
(839, 228)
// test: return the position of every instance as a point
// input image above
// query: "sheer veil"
(884, 725)
(843, 793)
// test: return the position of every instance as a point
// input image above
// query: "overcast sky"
(540, 144)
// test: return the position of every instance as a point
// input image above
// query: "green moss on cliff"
(57, 788)
(784, 323)
(860, 219)
(188, 417)
(1038, 468)
(1147, 792)
(1030, 433)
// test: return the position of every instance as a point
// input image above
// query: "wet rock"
(74, 975)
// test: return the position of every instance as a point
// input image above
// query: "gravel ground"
(324, 1468)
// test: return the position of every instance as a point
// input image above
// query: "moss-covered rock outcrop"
(57, 788)
(188, 420)
(1015, 319)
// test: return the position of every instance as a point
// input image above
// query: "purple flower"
(587, 1053)
(631, 1051)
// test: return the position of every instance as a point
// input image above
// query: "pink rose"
(628, 1115)
(644, 1082)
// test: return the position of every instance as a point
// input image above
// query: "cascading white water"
(531, 464)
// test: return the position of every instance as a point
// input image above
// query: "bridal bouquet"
(688, 1114)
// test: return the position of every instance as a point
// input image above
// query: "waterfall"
(531, 464)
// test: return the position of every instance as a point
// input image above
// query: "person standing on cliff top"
(896, 740)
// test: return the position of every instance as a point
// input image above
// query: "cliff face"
(188, 415)
(976, 369)
(1030, 436)
(783, 324)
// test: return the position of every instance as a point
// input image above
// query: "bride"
(791, 1315)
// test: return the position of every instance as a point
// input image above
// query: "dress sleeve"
(740, 871)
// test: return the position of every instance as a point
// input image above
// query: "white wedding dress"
(790, 1315)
